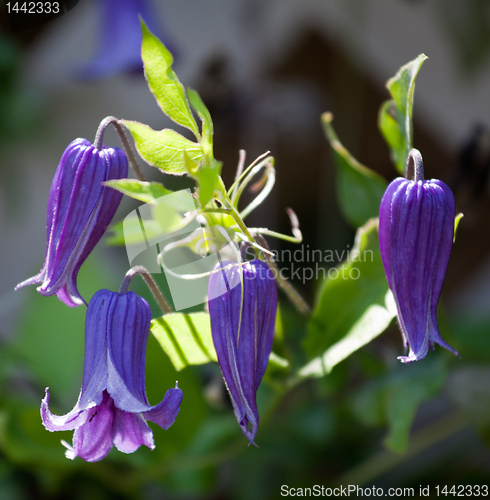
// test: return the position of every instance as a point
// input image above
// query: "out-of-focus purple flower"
(243, 331)
(113, 407)
(119, 47)
(416, 229)
(79, 211)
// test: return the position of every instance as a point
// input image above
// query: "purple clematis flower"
(416, 230)
(113, 407)
(79, 211)
(119, 47)
(243, 331)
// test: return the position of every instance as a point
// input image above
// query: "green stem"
(152, 285)
(268, 232)
(293, 295)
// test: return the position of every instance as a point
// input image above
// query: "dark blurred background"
(266, 69)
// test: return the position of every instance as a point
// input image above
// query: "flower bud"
(242, 327)
(79, 211)
(416, 229)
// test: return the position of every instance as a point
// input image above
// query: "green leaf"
(186, 338)
(351, 306)
(207, 178)
(388, 124)
(147, 192)
(207, 122)
(373, 322)
(395, 117)
(359, 189)
(165, 148)
(396, 397)
(164, 83)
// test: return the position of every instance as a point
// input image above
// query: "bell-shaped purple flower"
(79, 211)
(119, 42)
(113, 407)
(243, 330)
(416, 229)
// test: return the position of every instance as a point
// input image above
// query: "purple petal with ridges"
(127, 335)
(385, 226)
(416, 231)
(243, 345)
(79, 211)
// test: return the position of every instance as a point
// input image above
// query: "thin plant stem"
(99, 137)
(293, 295)
(415, 165)
(165, 307)
(247, 170)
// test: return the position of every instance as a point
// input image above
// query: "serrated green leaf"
(164, 83)
(147, 192)
(351, 306)
(359, 189)
(397, 113)
(207, 122)
(186, 338)
(165, 148)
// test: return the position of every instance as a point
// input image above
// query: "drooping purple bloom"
(113, 407)
(119, 43)
(242, 332)
(416, 229)
(79, 211)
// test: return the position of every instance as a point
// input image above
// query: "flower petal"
(93, 440)
(131, 431)
(79, 211)
(242, 332)
(128, 326)
(165, 413)
(67, 422)
(416, 228)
